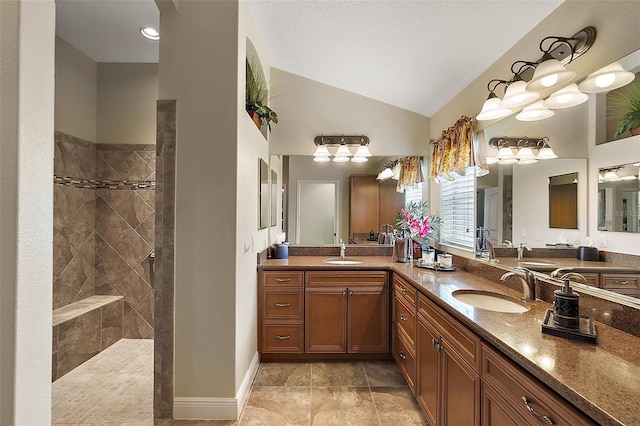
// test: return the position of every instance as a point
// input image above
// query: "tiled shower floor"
(116, 387)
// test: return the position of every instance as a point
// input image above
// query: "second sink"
(338, 261)
(490, 301)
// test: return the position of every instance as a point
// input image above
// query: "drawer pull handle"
(402, 317)
(283, 305)
(621, 282)
(283, 280)
(350, 293)
(283, 337)
(434, 342)
(401, 355)
(542, 417)
(404, 290)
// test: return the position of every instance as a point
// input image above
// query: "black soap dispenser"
(372, 236)
(566, 308)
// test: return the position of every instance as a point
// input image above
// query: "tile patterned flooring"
(116, 387)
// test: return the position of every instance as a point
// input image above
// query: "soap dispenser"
(566, 308)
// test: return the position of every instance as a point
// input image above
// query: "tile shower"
(104, 229)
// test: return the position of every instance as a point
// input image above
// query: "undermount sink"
(343, 261)
(536, 263)
(490, 301)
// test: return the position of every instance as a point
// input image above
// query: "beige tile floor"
(116, 387)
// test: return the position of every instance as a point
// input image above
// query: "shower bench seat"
(83, 329)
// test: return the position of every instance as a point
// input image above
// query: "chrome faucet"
(528, 280)
(560, 271)
(520, 250)
(573, 276)
(507, 243)
(343, 249)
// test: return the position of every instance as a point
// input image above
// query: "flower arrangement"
(416, 221)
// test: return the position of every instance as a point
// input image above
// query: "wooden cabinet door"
(460, 390)
(428, 385)
(496, 411)
(326, 320)
(368, 320)
(364, 212)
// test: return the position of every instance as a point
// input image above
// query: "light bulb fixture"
(566, 97)
(529, 150)
(548, 74)
(150, 33)
(608, 78)
(610, 176)
(535, 112)
(386, 173)
(359, 144)
(492, 109)
(517, 95)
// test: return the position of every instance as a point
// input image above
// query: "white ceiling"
(416, 55)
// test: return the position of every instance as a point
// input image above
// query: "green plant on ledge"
(628, 102)
(256, 97)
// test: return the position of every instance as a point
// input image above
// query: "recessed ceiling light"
(150, 33)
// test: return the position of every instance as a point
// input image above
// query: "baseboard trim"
(195, 408)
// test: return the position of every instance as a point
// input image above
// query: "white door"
(317, 216)
(492, 213)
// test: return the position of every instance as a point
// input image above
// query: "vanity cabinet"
(281, 301)
(403, 328)
(448, 367)
(346, 312)
(511, 396)
(628, 284)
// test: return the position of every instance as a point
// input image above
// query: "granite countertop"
(567, 262)
(602, 380)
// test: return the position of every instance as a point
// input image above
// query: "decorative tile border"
(104, 184)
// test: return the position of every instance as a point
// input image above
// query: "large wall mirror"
(619, 198)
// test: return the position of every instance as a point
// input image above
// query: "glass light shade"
(550, 73)
(527, 161)
(396, 171)
(492, 110)
(363, 151)
(340, 159)
(610, 176)
(343, 151)
(321, 159)
(359, 159)
(535, 112)
(525, 153)
(321, 151)
(630, 177)
(512, 160)
(607, 78)
(546, 153)
(491, 160)
(505, 153)
(385, 174)
(150, 33)
(516, 95)
(566, 97)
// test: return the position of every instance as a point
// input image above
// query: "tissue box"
(588, 253)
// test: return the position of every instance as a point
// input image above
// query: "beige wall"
(307, 109)
(126, 103)
(76, 92)
(27, 67)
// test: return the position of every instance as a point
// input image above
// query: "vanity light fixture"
(525, 148)
(608, 78)
(389, 170)
(150, 33)
(360, 144)
(517, 95)
(544, 150)
(535, 112)
(566, 97)
(492, 108)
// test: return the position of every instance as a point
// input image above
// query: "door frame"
(336, 221)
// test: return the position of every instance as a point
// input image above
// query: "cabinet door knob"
(402, 355)
(283, 337)
(283, 305)
(283, 280)
(350, 293)
(542, 417)
(439, 347)
(402, 317)
(434, 342)
(402, 289)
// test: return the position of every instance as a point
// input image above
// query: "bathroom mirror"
(563, 201)
(274, 198)
(263, 194)
(619, 198)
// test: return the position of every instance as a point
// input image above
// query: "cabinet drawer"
(404, 289)
(346, 279)
(593, 279)
(456, 335)
(283, 279)
(405, 319)
(524, 394)
(278, 337)
(283, 304)
(406, 359)
(620, 281)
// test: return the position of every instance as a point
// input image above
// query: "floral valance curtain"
(410, 173)
(455, 152)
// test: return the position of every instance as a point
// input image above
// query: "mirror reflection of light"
(528, 350)
(546, 362)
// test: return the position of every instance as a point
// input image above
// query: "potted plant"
(256, 98)
(628, 102)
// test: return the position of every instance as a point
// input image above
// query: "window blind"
(457, 198)
(413, 194)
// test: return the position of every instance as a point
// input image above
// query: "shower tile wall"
(104, 226)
